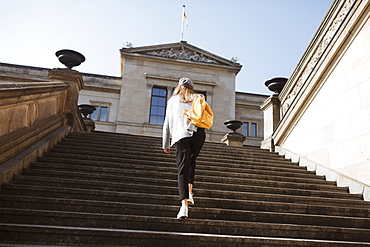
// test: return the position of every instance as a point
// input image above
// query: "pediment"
(184, 54)
(181, 51)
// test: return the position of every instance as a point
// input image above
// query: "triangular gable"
(181, 51)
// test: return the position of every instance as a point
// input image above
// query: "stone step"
(257, 195)
(154, 160)
(135, 162)
(206, 199)
(200, 173)
(170, 162)
(170, 186)
(166, 172)
(158, 154)
(207, 148)
(155, 223)
(169, 209)
(87, 236)
(113, 189)
(329, 186)
(104, 137)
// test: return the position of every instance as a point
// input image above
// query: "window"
(100, 114)
(245, 129)
(158, 106)
(249, 129)
(253, 130)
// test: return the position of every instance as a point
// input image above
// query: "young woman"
(188, 139)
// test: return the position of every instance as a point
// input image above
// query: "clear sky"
(267, 36)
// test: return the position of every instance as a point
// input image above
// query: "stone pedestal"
(90, 124)
(74, 79)
(271, 115)
(233, 139)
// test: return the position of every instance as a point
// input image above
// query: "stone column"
(74, 79)
(209, 97)
(148, 99)
(169, 92)
(271, 116)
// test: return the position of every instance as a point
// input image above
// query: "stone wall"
(325, 105)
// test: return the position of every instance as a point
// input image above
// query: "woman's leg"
(183, 160)
(183, 212)
(197, 142)
(190, 188)
(196, 145)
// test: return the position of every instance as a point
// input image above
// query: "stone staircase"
(107, 189)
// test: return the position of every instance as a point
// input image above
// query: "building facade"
(135, 102)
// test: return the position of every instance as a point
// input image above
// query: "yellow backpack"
(201, 114)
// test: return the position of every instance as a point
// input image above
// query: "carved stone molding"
(323, 43)
(183, 54)
(176, 79)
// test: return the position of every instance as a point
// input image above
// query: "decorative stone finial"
(70, 58)
(86, 110)
(233, 124)
(276, 84)
(233, 138)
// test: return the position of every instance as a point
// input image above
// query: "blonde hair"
(186, 94)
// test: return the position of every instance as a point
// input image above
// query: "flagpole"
(182, 22)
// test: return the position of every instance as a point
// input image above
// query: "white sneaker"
(183, 213)
(191, 198)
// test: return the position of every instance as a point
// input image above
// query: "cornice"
(101, 89)
(316, 64)
(315, 51)
(247, 105)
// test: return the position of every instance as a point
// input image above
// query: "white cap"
(186, 82)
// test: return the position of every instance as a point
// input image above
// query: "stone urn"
(233, 124)
(233, 138)
(86, 110)
(276, 84)
(70, 58)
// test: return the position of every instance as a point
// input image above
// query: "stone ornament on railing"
(317, 54)
(233, 125)
(86, 110)
(70, 58)
(183, 54)
(233, 138)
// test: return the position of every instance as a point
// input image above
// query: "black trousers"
(187, 150)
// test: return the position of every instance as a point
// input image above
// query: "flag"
(185, 18)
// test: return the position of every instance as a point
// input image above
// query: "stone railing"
(29, 111)
(354, 186)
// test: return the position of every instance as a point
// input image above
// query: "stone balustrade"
(29, 111)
